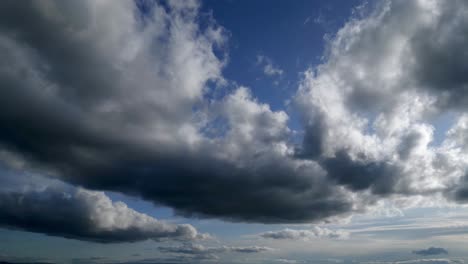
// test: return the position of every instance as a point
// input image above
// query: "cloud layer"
(123, 97)
(306, 234)
(85, 215)
(430, 251)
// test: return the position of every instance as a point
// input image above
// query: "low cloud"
(420, 261)
(200, 252)
(85, 215)
(430, 251)
(200, 249)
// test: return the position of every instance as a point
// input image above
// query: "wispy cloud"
(269, 68)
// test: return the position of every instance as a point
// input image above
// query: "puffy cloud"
(368, 109)
(135, 111)
(431, 251)
(84, 215)
(306, 234)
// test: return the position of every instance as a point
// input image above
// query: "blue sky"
(233, 132)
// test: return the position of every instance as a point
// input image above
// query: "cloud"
(136, 113)
(269, 68)
(31, 202)
(84, 215)
(368, 109)
(200, 249)
(430, 251)
(197, 251)
(286, 261)
(28, 262)
(132, 114)
(420, 261)
(306, 234)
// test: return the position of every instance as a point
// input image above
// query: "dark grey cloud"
(121, 116)
(440, 57)
(85, 215)
(379, 176)
(430, 251)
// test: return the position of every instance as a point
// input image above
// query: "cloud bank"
(430, 251)
(132, 113)
(200, 252)
(120, 96)
(86, 215)
(306, 234)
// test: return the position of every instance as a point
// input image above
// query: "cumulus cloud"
(132, 113)
(306, 234)
(119, 97)
(85, 215)
(430, 251)
(369, 109)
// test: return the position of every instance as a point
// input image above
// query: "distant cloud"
(306, 234)
(7, 262)
(201, 252)
(419, 261)
(286, 261)
(430, 251)
(200, 249)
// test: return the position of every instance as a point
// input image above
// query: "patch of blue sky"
(291, 34)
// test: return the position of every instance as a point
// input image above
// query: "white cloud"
(306, 234)
(269, 68)
(369, 107)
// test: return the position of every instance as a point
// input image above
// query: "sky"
(222, 131)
